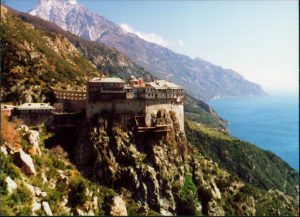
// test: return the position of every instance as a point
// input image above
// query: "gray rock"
(118, 207)
(25, 161)
(11, 184)
(3, 149)
(44, 194)
(34, 138)
(36, 206)
(47, 208)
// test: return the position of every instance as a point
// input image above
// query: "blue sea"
(270, 122)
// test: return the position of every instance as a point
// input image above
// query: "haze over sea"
(270, 122)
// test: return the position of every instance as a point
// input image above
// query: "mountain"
(201, 78)
(80, 170)
(33, 60)
(107, 60)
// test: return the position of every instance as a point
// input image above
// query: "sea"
(270, 122)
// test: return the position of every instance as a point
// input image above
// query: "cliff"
(102, 168)
(167, 174)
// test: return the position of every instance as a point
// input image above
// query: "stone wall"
(154, 108)
(128, 108)
(33, 119)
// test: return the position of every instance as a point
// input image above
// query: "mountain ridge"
(76, 167)
(201, 78)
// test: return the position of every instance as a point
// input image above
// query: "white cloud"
(73, 2)
(180, 43)
(151, 37)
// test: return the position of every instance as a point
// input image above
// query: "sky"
(258, 39)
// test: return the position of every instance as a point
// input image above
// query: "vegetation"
(188, 197)
(9, 133)
(200, 112)
(17, 203)
(106, 59)
(77, 192)
(33, 60)
(253, 165)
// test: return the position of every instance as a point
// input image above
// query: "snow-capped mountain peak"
(73, 17)
(199, 77)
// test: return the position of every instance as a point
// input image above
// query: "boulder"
(34, 138)
(24, 161)
(47, 208)
(36, 206)
(11, 185)
(3, 149)
(118, 207)
(44, 194)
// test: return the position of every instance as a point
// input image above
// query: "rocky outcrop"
(47, 208)
(36, 206)
(11, 185)
(151, 163)
(34, 138)
(118, 207)
(24, 161)
(163, 172)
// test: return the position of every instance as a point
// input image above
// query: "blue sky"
(258, 39)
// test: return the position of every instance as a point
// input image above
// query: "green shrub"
(17, 203)
(187, 197)
(3, 185)
(7, 167)
(77, 194)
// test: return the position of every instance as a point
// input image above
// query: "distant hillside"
(113, 63)
(81, 170)
(32, 60)
(253, 165)
(105, 58)
(201, 78)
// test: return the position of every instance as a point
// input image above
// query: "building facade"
(34, 113)
(69, 100)
(138, 98)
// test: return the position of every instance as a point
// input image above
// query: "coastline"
(274, 128)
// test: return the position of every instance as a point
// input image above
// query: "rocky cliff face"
(125, 160)
(163, 171)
